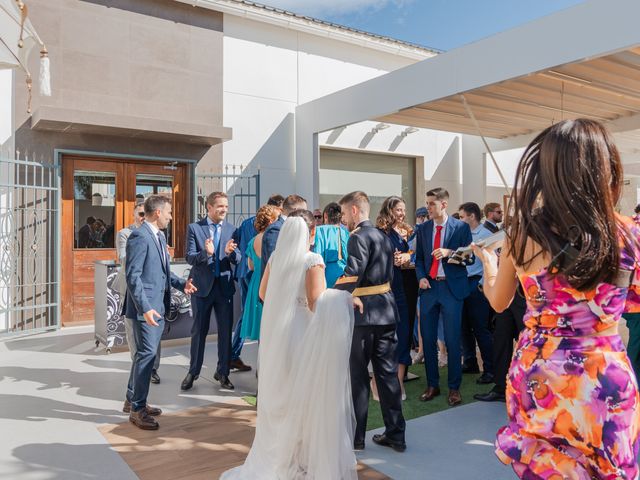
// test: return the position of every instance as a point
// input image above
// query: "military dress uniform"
(368, 275)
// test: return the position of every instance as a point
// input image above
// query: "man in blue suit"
(149, 282)
(270, 236)
(211, 252)
(443, 288)
(244, 233)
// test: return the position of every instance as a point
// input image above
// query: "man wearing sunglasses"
(493, 214)
(120, 283)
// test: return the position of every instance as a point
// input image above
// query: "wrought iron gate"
(29, 206)
(243, 190)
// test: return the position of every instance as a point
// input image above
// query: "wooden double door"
(98, 200)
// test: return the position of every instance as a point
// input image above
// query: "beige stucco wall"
(154, 59)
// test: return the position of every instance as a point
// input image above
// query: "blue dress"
(403, 349)
(331, 245)
(252, 307)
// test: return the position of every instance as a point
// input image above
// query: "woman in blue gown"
(331, 243)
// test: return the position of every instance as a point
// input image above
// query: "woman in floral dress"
(572, 396)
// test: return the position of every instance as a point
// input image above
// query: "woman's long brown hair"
(386, 219)
(567, 184)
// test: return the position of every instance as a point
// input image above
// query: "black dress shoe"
(358, 446)
(490, 396)
(381, 439)
(470, 368)
(485, 379)
(187, 383)
(224, 381)
(155, 378)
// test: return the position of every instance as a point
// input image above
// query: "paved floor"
(57, 388)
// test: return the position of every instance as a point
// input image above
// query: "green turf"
(412, 407)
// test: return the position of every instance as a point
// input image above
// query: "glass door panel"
(94, 209)
(150, 184)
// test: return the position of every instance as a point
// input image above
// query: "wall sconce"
(408, 131)
(378, 127)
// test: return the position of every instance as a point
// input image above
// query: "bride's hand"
(357, 303)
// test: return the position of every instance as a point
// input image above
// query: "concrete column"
(474, 176)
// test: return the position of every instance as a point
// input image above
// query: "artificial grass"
(412, 407)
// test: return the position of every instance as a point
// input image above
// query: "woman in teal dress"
(331, 243)
(252, 314)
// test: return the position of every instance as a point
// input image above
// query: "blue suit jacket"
(269, 240)
(456, 235)
(245, 232)
(202, 266)
(149, 279)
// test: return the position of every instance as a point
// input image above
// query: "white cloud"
(328, 8)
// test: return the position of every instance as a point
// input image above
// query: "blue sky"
(441, 24)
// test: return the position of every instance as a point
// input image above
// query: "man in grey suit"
(120, 285)
(149, 282)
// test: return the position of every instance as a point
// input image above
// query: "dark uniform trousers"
(508, 326)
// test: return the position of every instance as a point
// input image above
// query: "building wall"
(154, 59)
(268, 70)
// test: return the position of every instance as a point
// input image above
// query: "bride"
(305, 420)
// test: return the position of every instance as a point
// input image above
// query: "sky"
(439, 24)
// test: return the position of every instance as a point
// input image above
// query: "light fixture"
(408, 131)
(378, 127)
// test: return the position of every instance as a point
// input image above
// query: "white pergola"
(579, 62)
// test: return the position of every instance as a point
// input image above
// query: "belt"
(439, 279)
(372, 290)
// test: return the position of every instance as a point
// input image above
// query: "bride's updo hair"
(307, 216)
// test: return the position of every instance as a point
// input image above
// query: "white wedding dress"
(305, 422)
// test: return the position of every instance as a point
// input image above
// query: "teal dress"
(252, 307)
(331, 243)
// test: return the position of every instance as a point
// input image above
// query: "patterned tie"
(433, 273)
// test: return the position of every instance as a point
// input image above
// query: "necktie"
(433, 273)
(216, 244)
(163, 248)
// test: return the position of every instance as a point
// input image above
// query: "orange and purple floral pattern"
(572, 396)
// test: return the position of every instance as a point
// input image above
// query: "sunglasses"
(141, 214)
(318, 217)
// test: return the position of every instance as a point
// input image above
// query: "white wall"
(268, 70)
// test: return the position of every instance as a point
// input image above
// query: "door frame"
(60, 154)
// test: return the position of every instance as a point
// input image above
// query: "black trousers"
(376, 343)
(202, 307)
(508, 327)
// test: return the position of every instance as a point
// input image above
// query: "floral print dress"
(572, 396)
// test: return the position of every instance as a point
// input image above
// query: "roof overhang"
(67, 120)
(580, 62)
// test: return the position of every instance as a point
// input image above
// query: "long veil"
(317, 443)
(275, 355)
(305, 422)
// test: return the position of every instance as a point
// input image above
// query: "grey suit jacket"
(120, 282)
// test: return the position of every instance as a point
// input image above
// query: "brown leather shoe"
(454, 398)
(429, 394)
(239, 366)
(143, 420)
(153, 411)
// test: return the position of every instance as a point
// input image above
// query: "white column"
(474, 176)
(307, 164)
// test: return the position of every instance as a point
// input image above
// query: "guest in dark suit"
(149, 282)
(211, 252)
(245, 232)
(493, 216)
(85, 233)
(270, 237)
(444, 286)
(368, 275)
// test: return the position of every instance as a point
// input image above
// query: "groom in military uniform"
(368, 276)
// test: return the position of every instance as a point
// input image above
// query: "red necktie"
(433, 273)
